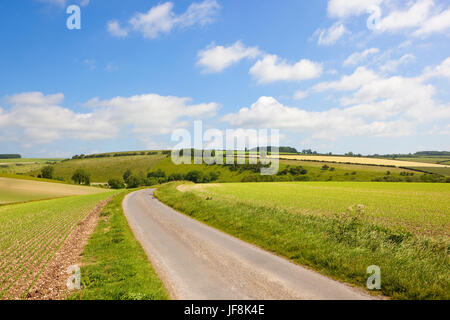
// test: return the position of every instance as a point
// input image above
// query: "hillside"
(103, 168)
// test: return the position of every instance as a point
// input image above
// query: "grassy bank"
(115, 267)
(313, 228)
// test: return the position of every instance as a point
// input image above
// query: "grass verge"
(338, 245)
(114, 265)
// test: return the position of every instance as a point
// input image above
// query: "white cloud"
(381, 97)
(299, 94)
(152, 113)
(115, 29)
(38, 118)
(271, 69)
(422, 17)
(436, 24)
(218, 58)
(331, 35)
(413, 16)
(346, 8)
(371, 105)
(392, 65)
(354, 81)
(161, 19)
(267, 112)
(442, 70)
(358, 57)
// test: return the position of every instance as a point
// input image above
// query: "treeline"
(10, 156)
(433, 153)
(412, 155)
(112, 155)
(153, 178)
(280, 149)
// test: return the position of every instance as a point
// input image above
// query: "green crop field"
(337, 228)
(22, 190)
(430, 159)
(31, 233)
(440, 171)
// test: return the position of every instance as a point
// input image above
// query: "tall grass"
(341, 245)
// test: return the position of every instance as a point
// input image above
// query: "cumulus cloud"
(300, 94)
(392, 65)
(413, 16)
(358, 57)
(421, 17)
(161, 19)
(437, 24)
(350, 82)
(267, 112)
(217, 58)
(345, 8)
(440, 71)
(271, 69)
(331, 35)
(115, 29)
(38, 118)
(371, 105)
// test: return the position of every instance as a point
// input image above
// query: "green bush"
(116, 184)
(47, 172)
(133, 182)
(81, 177)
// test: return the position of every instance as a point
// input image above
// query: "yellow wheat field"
(362, 160)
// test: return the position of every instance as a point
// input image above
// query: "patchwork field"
(21, 190)
(30, 235)
(338, 228)
(362, 160)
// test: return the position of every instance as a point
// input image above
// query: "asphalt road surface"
(197, 262)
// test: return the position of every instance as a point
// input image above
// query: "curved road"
(199, 262)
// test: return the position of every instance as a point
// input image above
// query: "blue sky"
(366, 76)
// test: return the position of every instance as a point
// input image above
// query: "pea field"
(31, 233)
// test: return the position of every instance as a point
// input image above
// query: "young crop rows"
(31, 233)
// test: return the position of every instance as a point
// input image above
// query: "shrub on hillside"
(156, 174)
(194, 176)
(127, 174)
(116, 184)
(133, 182)
(176, 177)
(81, 177)
(47, 172)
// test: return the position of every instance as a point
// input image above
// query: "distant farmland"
(363, 160)
(21, 190)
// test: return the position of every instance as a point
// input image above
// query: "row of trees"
(131, 180)
(10, 156)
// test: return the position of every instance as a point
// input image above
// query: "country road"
(196, 261)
